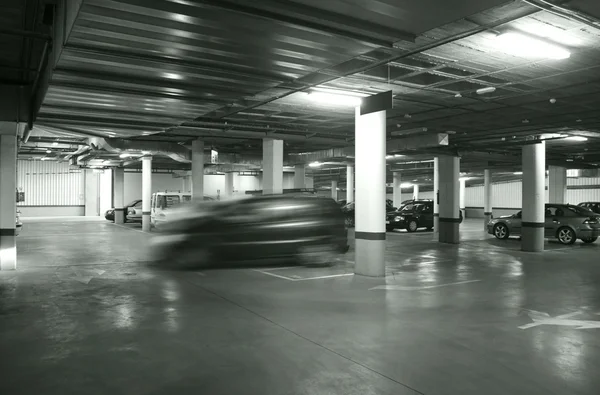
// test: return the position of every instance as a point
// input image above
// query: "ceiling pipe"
(172, 150)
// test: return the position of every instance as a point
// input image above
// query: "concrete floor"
(84, 314)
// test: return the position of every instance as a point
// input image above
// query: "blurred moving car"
(110, 214)
(308, 228)
(592, 206)
(565, 222)
(414, 214)
(163, 202)
(348, 211)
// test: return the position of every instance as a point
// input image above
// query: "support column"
(487, 198)
(449, 220)
(349, 183)
(186, 184)
(8, 199)
(119, 194)
(92, 193)
(397, 189)
(462, 189)
(198, 170)
(334, 191)
(557, 184)
(229, 184)
(416, 191)
(436, 203)
(272, 167)
(370, 151)
(534, 185)
(299, 176)
(146, 192)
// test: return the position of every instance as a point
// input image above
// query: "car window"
(575, 211)
(167, 201)
(408, 207)
(551, 211)
(138, 205)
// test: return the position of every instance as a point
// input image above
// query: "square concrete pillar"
(557, 185)
(334, 190)
(299, 176)
(487, 198)
(449, 196)
(229, 184)
(349, 183)
(397, 189)
(534, 191)
(92, 193)
(198, 170)
(8, 199)
(119, 194)
(272, 167)
(146, 192)
(436, 203)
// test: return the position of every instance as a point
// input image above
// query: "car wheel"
(589, 240)
(501, 231)
(566, 236)
(412, 226)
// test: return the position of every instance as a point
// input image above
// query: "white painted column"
(229, 184)
(349, 183)
(119, 194)
(92, 193)
(436, 206)
(272, 167)
(8, 198)
(462, 186)
(198, 170)
(416, 191)
(557, 185)
(370, 233)
(310, 182)
(299, 176)
(534, 182)
(186, 184)
(146, 192)
(397, 189)
(449, 220)
(334, 191)
(487, 198)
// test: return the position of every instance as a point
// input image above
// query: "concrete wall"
(51, 211)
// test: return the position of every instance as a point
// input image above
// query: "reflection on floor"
(85, 314)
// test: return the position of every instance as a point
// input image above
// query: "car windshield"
(583, 211)
(132, 203)
(411, 207)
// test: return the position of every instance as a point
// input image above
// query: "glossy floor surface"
(84, 314)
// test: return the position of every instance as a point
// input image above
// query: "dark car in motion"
(309, 228)
(110, 214)
(414, 214)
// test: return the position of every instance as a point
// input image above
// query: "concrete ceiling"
(233, 73)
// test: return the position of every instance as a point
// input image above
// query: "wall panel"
(50, 183)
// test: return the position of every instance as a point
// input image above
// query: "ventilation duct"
(171, 150)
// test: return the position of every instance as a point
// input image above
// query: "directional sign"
(541, 318)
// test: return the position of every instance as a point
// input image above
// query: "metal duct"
(174, 151)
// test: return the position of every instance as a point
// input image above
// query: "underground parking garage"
(374, 197)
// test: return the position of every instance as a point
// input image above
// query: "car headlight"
(399, 218)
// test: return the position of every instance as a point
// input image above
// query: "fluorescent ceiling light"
(334, 99)
(315, 164)
(483, 91)
(55, 143)
(518, 173)
(48, 151)
(576, 138)
(406, 185)
(529, 47)
(339, 92)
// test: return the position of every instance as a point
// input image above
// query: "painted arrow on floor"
(392, 287)
(541, 318)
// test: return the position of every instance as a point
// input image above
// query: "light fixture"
(315, 164)
(406, 185)
(464, 178)
(518, 173)
(576, 138)
(483, 91)
(338, 92)
(55, 143)
(334, 98)
(48, 151)
(529, 47)
(124, 155)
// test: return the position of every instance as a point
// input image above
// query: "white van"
(168, 201)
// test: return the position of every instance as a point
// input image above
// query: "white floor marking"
(541, 318)
(320, 277)
(200, 274)
(280, 268)
(273, 275)
(391, 287)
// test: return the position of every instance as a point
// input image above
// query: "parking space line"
(320, 277)
(273, 275)
(393, 287)
(280, 268)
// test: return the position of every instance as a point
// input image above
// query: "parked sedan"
(565, 222)
(110, 214)
(592, 206)
(414, 214)
(348, 211)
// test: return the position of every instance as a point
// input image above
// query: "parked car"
(255, 228)
(110, 214)
(565, 222)
(162, 202)
(348, 211)
(592, 206)
(414, 214)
